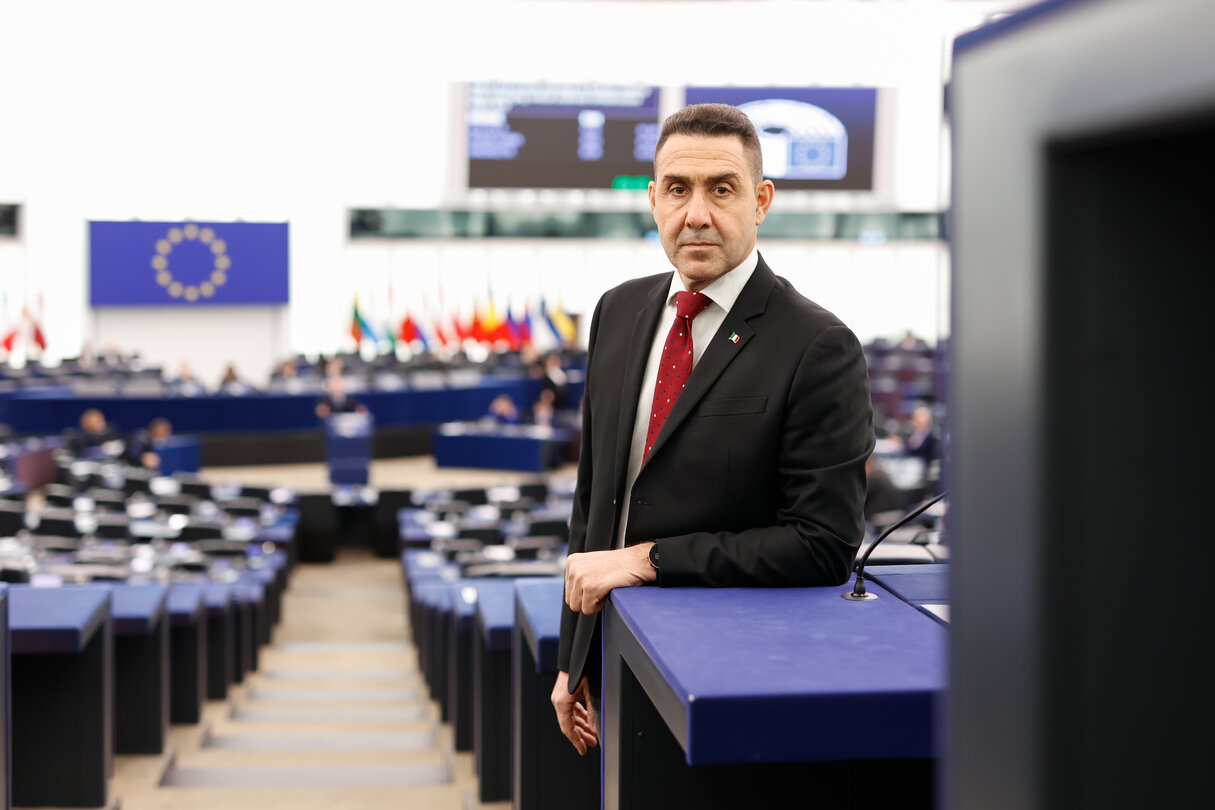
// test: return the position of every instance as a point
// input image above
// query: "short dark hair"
(716, 120)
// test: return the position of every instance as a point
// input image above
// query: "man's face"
(707, 205)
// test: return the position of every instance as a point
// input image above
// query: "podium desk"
(527, 448)
(736, 697)
(179, 454)
(282, 535)
(141, 655)
(547, 772)
(186, 604)
(62, 695)
(348, 447)
(924, 586)
(222, 614)
(251, 596)
(495, 619)
(461, 632)
(434, 605)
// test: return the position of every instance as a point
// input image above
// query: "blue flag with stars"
(187, 263)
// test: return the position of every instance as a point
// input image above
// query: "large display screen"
(549, 135)
(813, 138)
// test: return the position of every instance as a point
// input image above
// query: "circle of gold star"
(191, 233)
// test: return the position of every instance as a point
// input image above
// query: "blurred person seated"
(882, 497)
(544, 412)
(923, 442)
(287, 378)
(142, 448)
(337, 400)
(503, 410)
(911, 343)
(232, 384)
(94, 438)
(186, 384)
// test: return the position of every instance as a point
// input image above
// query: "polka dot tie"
(676, 364)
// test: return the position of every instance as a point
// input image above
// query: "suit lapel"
(721, 350)
(642, 338)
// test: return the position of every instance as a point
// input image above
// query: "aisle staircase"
(336, 716)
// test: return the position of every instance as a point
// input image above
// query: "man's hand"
(591, 576)
(576, 720)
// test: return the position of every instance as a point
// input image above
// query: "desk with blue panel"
(923, 586)
(142, 660)
(527, 448)
(461, 632)
(734, 697)
(430, 637)
(547, 772)
(491, 686)
(187, 609)
(62, 695)
(179, 454)
(348, 447)
(50, 411)
(222, 617)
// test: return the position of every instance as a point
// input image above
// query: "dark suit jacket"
(758, 475)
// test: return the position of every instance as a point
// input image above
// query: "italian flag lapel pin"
(733, 337)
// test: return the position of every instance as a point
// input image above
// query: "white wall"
(272, 111)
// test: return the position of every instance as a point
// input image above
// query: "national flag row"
(549, 325)
(25, 331)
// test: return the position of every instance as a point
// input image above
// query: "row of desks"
(712, 698)
(106, 668)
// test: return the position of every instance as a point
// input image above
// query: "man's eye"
(678, 189)
(721, 191)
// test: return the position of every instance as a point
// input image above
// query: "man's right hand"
(577, 721)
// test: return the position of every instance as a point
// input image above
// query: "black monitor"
(547, 135)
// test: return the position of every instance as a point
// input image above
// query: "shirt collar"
(725, 289)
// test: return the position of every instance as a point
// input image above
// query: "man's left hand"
(591, 576)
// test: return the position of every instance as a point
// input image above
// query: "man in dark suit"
(736, 461)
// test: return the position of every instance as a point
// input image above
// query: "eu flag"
(187, 263)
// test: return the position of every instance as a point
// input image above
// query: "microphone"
(858, 592)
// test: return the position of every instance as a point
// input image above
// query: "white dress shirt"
(723, 292)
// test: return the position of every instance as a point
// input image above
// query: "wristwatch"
(654, 556)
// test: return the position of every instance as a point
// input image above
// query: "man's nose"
(698, 212)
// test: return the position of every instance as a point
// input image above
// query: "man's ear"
(763, 200)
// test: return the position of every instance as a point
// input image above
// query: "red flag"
(10, 340)
(525, 327)
(409, 330)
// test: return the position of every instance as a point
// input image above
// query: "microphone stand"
(858, 592)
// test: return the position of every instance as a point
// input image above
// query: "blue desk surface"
(56, 620)
(496, 612)
(464, 597)
(427, 566)
(538, 606)
(218, 598)
(138, 608)
(917, 584)
(434, 593)
(186, 602)
(798, 674)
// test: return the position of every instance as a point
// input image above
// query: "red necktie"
(676, 365)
